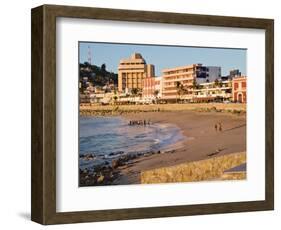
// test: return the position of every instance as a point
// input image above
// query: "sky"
(163, 56)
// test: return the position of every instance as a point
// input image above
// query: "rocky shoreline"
(109, 170)
(115, 110)
(102, 113)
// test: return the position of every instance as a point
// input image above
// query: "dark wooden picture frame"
(43, 197)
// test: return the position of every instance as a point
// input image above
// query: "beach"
(202, 141)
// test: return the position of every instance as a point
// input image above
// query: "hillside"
(99, 76)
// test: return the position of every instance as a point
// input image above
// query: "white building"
(158, 86)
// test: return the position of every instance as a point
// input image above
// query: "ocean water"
(110, 137)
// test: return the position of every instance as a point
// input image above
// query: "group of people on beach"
(218, 127)
(140, 122)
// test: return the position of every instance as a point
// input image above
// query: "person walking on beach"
(216, 127)
(220, 127)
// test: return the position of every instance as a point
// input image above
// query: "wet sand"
(202, 142)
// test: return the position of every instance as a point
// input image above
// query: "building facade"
(148, 88)
(208, 74)
(213, 91)
(152, 88)
(132, 71)
(158, 87)
(234, 73)
(181, 80)
(239, 89)
(174, 78)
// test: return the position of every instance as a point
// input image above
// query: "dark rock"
(115, 164)
(88, 156)
(116, 153)
(98, 168)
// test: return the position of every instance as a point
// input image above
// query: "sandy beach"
(202, 140)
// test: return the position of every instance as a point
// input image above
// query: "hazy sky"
(164, 56)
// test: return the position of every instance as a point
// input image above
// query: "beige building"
(181, 80)
(132, 71)
(173, 78)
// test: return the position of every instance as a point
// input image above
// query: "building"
(158, 87)
(148, 89)
(231, 75)
(213, 73)
(179, 82)
(132, 71)
(213, 91)
(152, 88)
(208, 74)
(234, 73)
(174, 78)
(239, 89)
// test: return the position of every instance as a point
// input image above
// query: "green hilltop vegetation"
(98, 75)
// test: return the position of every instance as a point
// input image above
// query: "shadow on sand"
(236, 127)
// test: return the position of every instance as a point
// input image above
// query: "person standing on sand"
(220, 127)
(216, 127)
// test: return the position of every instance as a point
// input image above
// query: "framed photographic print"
(139, 114)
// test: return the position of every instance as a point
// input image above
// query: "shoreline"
(115, 110)
(202, 142)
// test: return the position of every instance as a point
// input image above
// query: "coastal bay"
(203, 141)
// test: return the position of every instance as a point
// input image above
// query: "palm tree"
(134, 92)
(180, 89)
(115, 99)
(194, 84)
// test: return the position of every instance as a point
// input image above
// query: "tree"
(86, 63)
(134, 92)
(156, 92)
(216, 82)
(180, 89)
(195, 85)
(115, 99)
(103, 67)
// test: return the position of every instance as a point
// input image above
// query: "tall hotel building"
(132, 71)
(186, 76)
